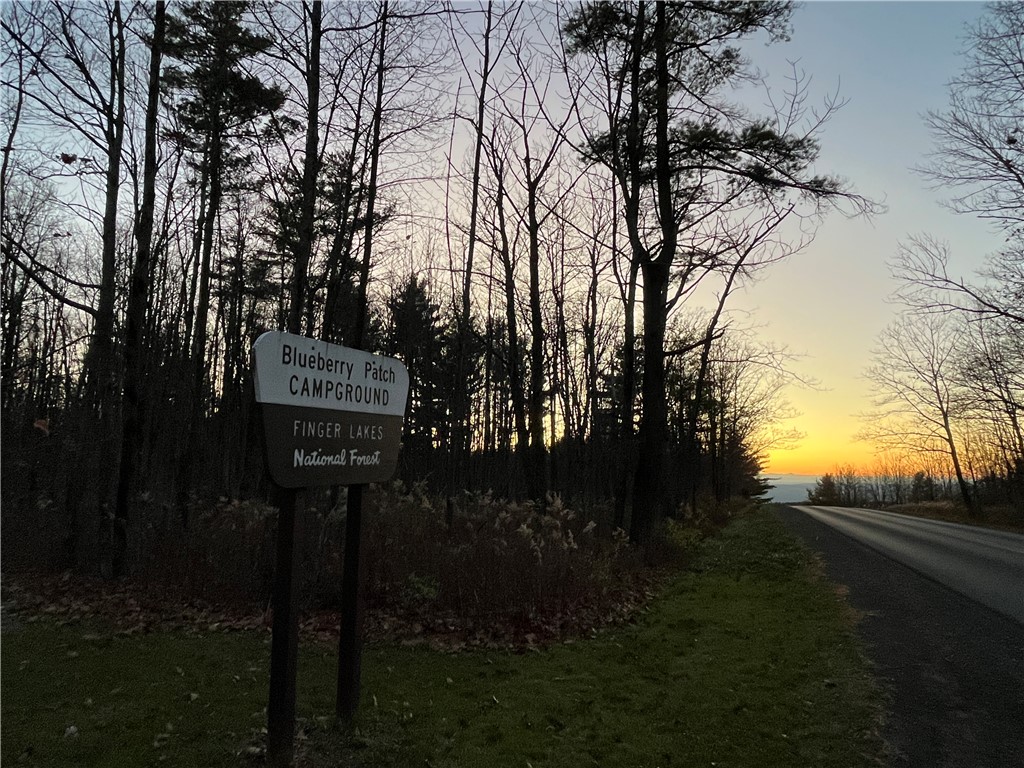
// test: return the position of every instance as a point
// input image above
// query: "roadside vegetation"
(485, 571)
(743, 658)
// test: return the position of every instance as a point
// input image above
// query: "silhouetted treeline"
(542, 210)
(998, 497)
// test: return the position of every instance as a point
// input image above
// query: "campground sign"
(332, 415)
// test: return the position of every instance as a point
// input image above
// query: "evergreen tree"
(922, 487)
(416, 337)
(825, 492)
(216, 104)
(679, 157)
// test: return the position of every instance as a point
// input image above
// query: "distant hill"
(790, 489)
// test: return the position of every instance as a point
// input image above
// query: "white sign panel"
(308, 373)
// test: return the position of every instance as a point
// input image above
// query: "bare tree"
(505, 240)
(139, 289)
(991, 368)
(977, 157)
(79, 55)
(979, 144)
(919, 398)
(461, 411)
(921, 265)
(534, 164)
(979, 154)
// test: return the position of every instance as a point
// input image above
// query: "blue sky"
(892, 63)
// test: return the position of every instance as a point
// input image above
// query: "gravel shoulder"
(954, 669)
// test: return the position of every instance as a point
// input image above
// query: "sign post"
(332, 416)
(284, 642)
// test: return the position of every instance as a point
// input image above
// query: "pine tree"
(216, 103)
(825, 492)
(416, 337)
(678, 158)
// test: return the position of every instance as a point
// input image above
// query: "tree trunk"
(350, 642)
(460, 420)
(100, 360)
(649, 496)
(649, 482)
(537, 474)
(206, 258)
(138, 292)
(691, 450)
(631, 185)
(511, 323)
(954, 455)
(628, 392)
(310, 168)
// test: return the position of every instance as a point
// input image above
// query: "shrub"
(225, 555)
(488, 557)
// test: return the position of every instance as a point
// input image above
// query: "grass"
(746, 659)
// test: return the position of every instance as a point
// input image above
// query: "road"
(984, 565)
(952, 665)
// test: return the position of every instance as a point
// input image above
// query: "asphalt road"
(952, 665)
(985, 565)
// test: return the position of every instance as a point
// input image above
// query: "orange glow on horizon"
(866, 461)
(817, 457)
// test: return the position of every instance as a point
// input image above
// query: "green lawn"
(745, 660)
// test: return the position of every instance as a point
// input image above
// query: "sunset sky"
(892, 62)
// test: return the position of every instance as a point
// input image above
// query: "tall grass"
(481, 562)
(487, 558)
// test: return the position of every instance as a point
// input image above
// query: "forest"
(542, 210)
